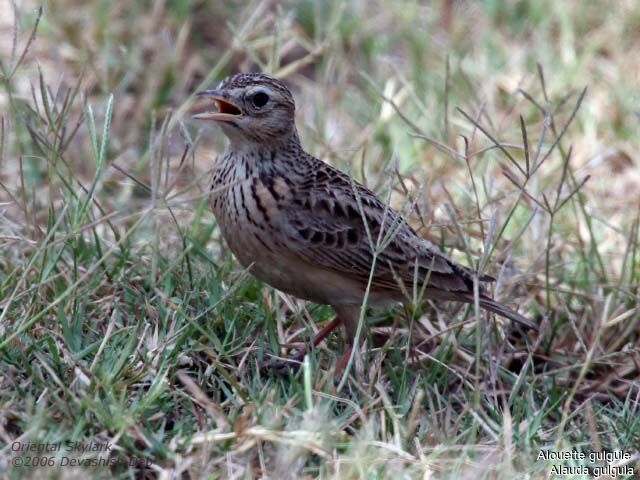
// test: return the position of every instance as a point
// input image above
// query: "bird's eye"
(260, 99)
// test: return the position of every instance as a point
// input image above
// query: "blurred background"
(342, 59)
(104, 179)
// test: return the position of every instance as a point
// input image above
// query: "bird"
(308, 229)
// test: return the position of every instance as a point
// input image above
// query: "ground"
(507, 132)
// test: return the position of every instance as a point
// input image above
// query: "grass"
(124, 319)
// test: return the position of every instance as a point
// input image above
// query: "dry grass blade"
(563, 131)
(492, 138)
(203, 400)
(525, 143)
(16, 64)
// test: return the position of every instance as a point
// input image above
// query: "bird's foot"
(284, 366)
(343, 360)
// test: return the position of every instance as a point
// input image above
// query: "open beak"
(226, 111)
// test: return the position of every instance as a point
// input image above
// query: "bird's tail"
(488, 304)
(504, 311)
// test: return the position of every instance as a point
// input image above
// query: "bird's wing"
(324, 221)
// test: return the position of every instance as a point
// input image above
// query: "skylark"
(310, 230)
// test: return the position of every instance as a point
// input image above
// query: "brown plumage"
(310, 230)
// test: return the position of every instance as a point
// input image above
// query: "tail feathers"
(488, 304)
(504, 311)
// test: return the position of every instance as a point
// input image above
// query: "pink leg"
(298, 357)
(344, 359)
(319, 337)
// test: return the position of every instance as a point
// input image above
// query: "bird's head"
(252, 108)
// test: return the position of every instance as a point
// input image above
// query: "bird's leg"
(294, 361)
(326, 330)
(344, 359)
(350, 315)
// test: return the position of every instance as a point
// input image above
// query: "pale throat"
(260, 156)
(250, 160)
(260, 139)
